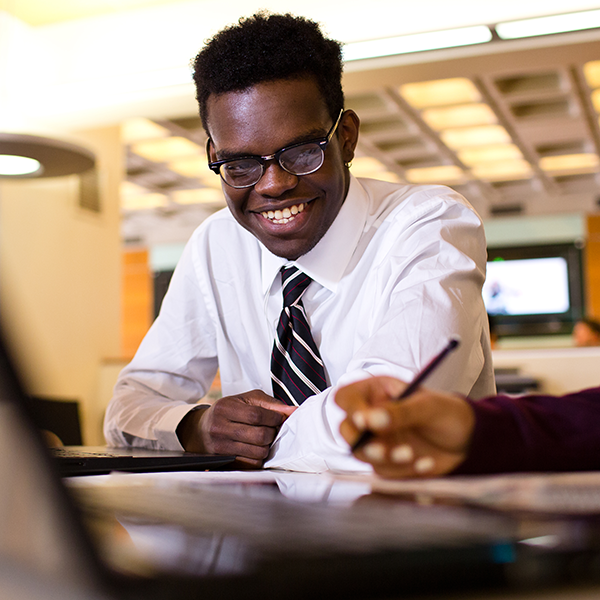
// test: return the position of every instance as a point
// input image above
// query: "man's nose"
(275, 180)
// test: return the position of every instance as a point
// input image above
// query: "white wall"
(60, 280)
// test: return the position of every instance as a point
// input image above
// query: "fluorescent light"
(13, 166)
(364, 166)
(591, 70)
(508, 170)
(488, 154)
(523, 28)
(570, 162)
(596, 100)
(466, 115)
(367, 166)
(166, 149)
(440, 92)
(441, 174)
(417, 42)
(466, 137)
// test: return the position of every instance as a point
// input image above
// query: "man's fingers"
(250, 430)
(273, 405)
(252, 408)
(241, 449)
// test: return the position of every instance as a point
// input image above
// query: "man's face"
(289, 214)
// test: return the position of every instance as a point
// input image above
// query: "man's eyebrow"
(313, 134)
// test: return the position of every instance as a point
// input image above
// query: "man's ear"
(210, 151)
(348, 134)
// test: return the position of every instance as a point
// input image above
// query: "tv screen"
(528, 286)
(532, 290)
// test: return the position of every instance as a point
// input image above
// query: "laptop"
(178, 535)
(96, 460)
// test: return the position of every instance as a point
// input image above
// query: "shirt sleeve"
(431, 277)
(535, 433)
(171, 371)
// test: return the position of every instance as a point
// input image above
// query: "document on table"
(555, 493)
(565, 493)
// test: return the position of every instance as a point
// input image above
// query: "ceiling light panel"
(365, 166)
(591, 71)
(596, 100)
(167, 149)
(441, 174)
(570, 162)
(506, 170)
(467, 137)
(524, 28)
(487, 154)
(417, 42)
(459, 116)
(442, 92)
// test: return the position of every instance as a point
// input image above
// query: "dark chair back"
(59, 416)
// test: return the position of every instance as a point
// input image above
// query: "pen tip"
(454, 341)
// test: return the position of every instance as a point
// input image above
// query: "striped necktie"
(296, 367)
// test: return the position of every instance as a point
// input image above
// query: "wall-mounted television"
(534, 290)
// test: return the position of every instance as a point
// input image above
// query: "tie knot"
(294, 283)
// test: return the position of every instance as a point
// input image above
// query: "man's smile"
(285, 215)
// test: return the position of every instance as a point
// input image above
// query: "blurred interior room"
(500, 101)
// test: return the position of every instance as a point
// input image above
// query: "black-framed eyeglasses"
(298, 159)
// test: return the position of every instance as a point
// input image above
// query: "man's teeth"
(285, 215)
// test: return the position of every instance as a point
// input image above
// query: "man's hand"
(244, 425)
(424, 435)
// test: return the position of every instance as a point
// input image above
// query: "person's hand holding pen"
(425, 434)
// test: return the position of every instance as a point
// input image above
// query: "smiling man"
(310, 280)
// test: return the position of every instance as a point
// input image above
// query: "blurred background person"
(586, 333)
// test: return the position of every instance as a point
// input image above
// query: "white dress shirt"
(398, 273)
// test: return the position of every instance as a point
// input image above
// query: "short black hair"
(268, 47)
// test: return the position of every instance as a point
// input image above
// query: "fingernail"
(394, 387)
(402, 454)
(375, 452)
(378, 418)
(424, 464)
(359, 420)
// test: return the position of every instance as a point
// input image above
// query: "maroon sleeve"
(535, 433)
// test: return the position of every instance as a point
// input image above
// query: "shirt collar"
(327, 261)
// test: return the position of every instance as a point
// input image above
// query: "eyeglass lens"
(298, 160)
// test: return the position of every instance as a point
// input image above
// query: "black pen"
(413, 385)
